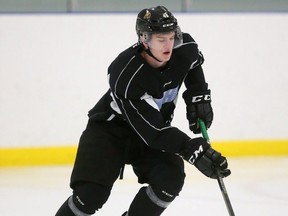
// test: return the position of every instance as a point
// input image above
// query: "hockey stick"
(219, 178)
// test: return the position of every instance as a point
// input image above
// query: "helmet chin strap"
(148, 51)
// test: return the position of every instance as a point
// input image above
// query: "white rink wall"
(53, 70)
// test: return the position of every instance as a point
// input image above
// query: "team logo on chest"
(168, 96)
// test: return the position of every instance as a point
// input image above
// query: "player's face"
(161, 45)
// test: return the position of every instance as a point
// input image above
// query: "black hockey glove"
(198, 105)
(208, 161)
(212, 164)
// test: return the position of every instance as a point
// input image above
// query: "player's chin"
(166, 57)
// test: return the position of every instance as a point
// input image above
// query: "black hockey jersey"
(145, 97)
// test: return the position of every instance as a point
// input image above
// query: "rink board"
(59, 155)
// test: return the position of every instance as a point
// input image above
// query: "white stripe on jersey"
(132, 79)
(116, 83)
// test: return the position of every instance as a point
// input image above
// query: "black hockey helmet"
(156, 20)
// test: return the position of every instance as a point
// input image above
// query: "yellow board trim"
(58, 155)
(62, 155)
(252, 147)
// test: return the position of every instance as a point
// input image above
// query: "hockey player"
(131, 123)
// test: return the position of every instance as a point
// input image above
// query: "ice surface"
(258, 186)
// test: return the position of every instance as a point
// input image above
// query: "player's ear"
(144, 38)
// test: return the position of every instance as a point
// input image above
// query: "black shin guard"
(90, 197)
(65, 210)
(70, 209)
(86, 199)
(147, 203)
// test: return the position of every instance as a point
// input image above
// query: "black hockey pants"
(103, 150)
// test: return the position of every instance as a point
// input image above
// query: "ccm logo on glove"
(195, 155)
(199, 98)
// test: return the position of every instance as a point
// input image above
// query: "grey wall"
(44, 6)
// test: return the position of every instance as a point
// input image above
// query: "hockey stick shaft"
(219, 178)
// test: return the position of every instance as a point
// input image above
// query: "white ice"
(257, 187)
